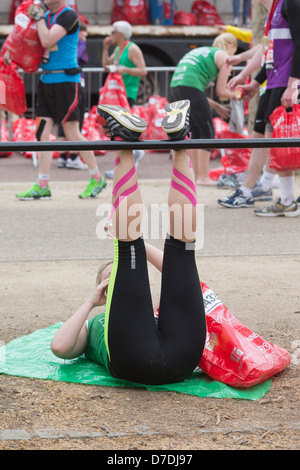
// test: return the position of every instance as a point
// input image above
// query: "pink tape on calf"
(117, 161)
(124, 180)
(184, 179)
(185, 192)
(122, 196)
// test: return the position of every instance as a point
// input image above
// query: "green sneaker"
(93, 188)
(35, 192)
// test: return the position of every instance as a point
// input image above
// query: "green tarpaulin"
(30, 356)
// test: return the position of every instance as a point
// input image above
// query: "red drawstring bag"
(23, 42)
(183, 18)
(133, 11)
(206, 13)
(12, 92)
(233, 354)
(286, 126)
(113, 92)
(14, 6)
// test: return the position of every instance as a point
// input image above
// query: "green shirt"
(95, 347)
(130, 81)
(196, 69)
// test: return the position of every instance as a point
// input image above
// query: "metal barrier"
(149, 145)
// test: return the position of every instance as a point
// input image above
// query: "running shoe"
(298, 201)
(76, 164)
(259, 194)
(236, 200)
(176, 122)
(227, 181)
(93, 188)
(121, 123)
(35, 192)
(279, 210)
(61, 162)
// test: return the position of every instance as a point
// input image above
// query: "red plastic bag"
(23, 42)
(13, 98)
(206, 13)
(154, 113)
(286, 125)
(234, 354)
(133, 11)
(184, 18)
(113, 92)
(14, 6)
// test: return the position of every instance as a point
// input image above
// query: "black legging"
(139, 348)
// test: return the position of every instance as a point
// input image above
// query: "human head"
(104, 272)
(83, 31)
(227, 42)
(122, 27)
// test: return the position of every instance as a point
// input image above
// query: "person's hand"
(100, 294)
(35, 12)
(106, 42)
(235, 82)
(289, 97)
(121, 69)
(250, 90)
(7, 58)
(222, 111)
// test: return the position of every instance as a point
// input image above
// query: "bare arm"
(136, 56)
(253, 65)
(70, 340)
(50, 37)
(224, 72)
(154, 256)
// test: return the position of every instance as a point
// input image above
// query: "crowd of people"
(128, 339)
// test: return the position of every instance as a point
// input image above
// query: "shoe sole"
(240, 206)
(283, 214)
(43, 198)
(263, 198)
(116, 116)
(176, 123)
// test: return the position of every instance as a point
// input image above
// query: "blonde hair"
(101, 269)
(224, 40)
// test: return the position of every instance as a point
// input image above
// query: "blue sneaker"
(236, 200)
(259, 194)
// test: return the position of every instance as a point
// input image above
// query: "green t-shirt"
(95, 347)
(130, 81)
(196, 69)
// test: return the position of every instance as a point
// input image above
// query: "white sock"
(247, 192)
(266, 180)
(287, 190)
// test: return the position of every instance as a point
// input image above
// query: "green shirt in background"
(95, 347)
(130, 81)
(196, 69)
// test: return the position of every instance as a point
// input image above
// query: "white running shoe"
(121, 123)
(176, 123)
(76, 164)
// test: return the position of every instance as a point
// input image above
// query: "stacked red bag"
(234, 354)
(134, 11)
(184, 18)
(92, 130)
(23, 42)
(206, 14)
(13, 98)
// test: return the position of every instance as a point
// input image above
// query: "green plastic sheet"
(31, 356)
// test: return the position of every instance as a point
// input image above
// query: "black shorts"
(201, 119)
(268, 102)
(59, 101)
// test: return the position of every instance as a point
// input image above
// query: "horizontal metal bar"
(149, 145)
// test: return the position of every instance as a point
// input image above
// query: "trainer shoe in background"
(76, 164)
(176, 122)
(227, 181)
(93, 188)
(259, 194)
(61, 162)
(236, 200)
(279, 210)
(298, 201)
(121, 123)
(35, 192)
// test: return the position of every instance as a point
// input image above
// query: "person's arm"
(252, 65)
(290, 96)
(49, 37)
(221, 110)
(224, 71)
(136, 56)
(70, 340)
(106, 59)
